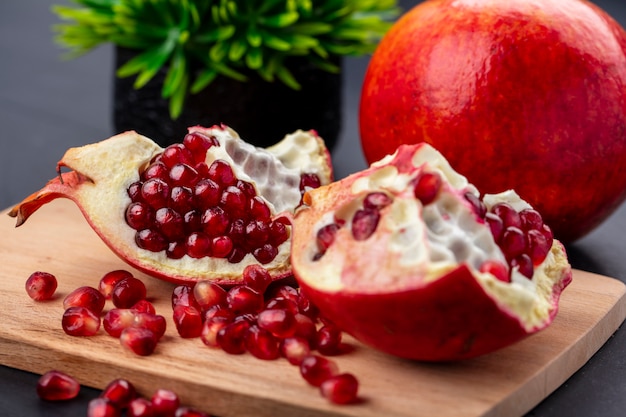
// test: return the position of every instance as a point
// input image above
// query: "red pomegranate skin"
(449, 319)
(516, 94)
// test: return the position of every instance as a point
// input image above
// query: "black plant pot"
(261, 112)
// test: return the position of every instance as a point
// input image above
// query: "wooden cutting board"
(509, 382)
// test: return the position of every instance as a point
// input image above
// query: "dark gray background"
(48, 105)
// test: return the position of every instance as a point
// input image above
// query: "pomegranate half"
(408, 258)
(202, 209)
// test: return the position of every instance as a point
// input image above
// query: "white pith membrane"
(415, 244)
(114, 164)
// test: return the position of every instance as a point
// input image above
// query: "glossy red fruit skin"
(41, 286)
(57, 386)
(516, 94)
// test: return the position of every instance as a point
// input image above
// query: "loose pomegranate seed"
(87, 297)
(497, 269)
(242, 299)
(183, 295)
(295, 349)
(140, 407)
(284, 291)
(222, 173)
(328, 340)
(80, 321)
(262, 344)
(231, 338)
(316, 369)
(153, 322)
(139, 340)
(188, 321)
(282, 303)
(164, 402)
(306, 328)
(364, 223)
(306, 307)
(120, 392)
(279, 322)
(41, 286)
(256, 277)
(143, 306)
(101, 407)
(427, 187)
(151, 240)
(211, 327)
(118, 319)
(110, 279)
(189, 412)
(219, 311)
(340, 389)
(208, 294)
(57, 386)
(127, 292)
(376, 200)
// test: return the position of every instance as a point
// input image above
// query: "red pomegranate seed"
(265, 254)
(376, 200)
(497, 269)
(189, 412)
(524, 265)
(307, 308)
(143, 306)
(208, 294)
(164, 402)
(110, 279)
(80, 321)
(156, 170)
(234, 201)
(181, 199)
(221, 172)
(531, 219)
(211, 327)
(316, 369)
(198, 245)
(309, 181)
(118, 319)
(282, 303)
(278, 233)
(140, 407)
(340, 389)
(279, 322)
(207, 193)
(219, 311)
(547, 232)
(427, 187)
(295, 349)
(127, 292)
(176, 250)
(306, 328)
(328, 340)
(259, 209)
(221, 246)
(175, 154)
(215, 221)
(198, 145)
(510, 217)
(256, 277)
(87, 297)
(364, 223)
(57, 386)
(538, 247)
(134, 191)
(188, 321)
(139, 216)
(257, 233)
(41, 286)
(247, 188)
(284, 291)
(495, 225)
(183, 295)
(262, 344)
(231, 338)
(242, 299)
(169, 223)
(513, 242)
(155, 192)
(101, 407)
(120, 392)
(139, 340)
(479, 207)
(192, 220)
(156, 323)
(183, 174)
(151, 240)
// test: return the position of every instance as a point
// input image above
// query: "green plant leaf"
(203, 79)
(287, 77)
(254, 58)
(220, 33)
(175, 73)
(280, 20)
(237, 50)
(177, 100)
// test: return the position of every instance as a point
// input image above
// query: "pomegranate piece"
(188, 321)
(328, 340)
(41, 286)
(232, 337)
(57, 386)
(80, 321)
(164, 402)
(340, 389)
(102, 407)
(242, 299)
(208, 294)
(262, 344)
(153, 322)
(87, 297)
(316, 369)
(191, 212)
(118, 319)
(279, 322)
(140, 407)
(110, 279)
(139, 340)
(127, 292)
(433, 241)
(120, 392)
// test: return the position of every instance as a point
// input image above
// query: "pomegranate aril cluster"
(362, 225)
(522, 236)
(267, 322)
(183, 206)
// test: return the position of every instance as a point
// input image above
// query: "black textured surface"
(47, 105)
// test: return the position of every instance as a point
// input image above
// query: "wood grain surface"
(510, 382)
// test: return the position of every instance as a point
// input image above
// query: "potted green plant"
(264, 67)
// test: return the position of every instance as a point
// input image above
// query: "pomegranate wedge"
(203, 209)
(408, 258)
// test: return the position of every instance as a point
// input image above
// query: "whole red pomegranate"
(521, 94)
(202, 209)
(410, 259)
